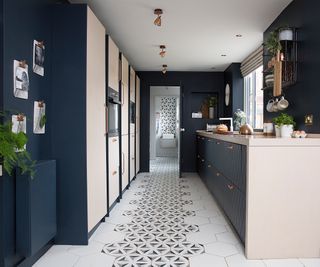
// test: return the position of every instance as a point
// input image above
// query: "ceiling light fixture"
(163, 50)
(164, 68)
(157, 21)
(239, 35)
(223, 55)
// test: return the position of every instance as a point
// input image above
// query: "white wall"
(158, 91)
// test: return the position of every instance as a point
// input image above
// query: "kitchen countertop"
(262, 140)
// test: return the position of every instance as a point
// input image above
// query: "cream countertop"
(262, 140)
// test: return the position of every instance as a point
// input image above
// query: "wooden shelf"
(284, 85)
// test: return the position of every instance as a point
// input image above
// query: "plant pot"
(278, 131)
(286, 131)
(211, 112)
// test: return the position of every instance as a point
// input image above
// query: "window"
(253, 98)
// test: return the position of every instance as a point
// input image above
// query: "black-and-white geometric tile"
(156, 235)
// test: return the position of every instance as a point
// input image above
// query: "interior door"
(182, 129)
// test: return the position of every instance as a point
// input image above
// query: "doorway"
(165, 138)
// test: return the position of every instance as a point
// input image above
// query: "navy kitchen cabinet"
(222, 167)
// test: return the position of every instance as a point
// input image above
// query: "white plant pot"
(278, 131)
(211, 112)
(286, 131)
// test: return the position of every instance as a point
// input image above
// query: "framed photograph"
(19, 124)
(20, 79)
(38, 57)
(39, 117)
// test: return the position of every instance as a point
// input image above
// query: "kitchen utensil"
(246, 129)
(270, 105)
(282, 104)
(275, 105)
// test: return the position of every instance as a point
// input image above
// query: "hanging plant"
(273, 44)
(10, 143)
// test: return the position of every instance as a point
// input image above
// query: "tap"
(231, 122)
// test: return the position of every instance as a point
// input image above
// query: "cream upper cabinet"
(113, 65)
(124, 96)
(137, 104)
(95, 120)
(132, 85)
(114, 176)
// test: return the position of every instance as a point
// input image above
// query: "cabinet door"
(113, 65)
(113, 160)
(132, 85)
(95, 119)
(124, 159)
(137, 104)
(137, 152)
(132, 156)
(124, 96)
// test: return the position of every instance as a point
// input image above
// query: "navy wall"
(233, 76)
(304, 96)
(190, 82)
(24, 21)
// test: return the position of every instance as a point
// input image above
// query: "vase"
(286, 131)
(211, 112)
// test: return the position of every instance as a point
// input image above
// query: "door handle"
(114, 173)
(182, 130)
(114, 140)
(231, 187)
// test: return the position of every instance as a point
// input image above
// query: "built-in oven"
(113, 112)
(132, 112)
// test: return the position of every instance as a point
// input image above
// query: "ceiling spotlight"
(163, 50)
(223, 55)
(157, 21)
(239, 35)
(164, 69)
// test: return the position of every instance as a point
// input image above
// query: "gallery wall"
(23, 22)
(305, 94)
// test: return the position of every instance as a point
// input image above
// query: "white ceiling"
(196, 32)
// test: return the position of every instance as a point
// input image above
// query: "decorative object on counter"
(227, 95)
(268, 128)
(38, 57)
(213, 101)
(299, 134)
(39, 117)
(197, 115)
(285, 34)
(11, 141)
(20, 79)
(211, 127)
(282, 104)
(246, 129)
(284, 125)
(240, 118)
(222, 129)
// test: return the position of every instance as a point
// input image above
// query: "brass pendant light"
(162, 50)
(157, 21)
(164, 69)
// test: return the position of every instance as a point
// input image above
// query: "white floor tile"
(95, 260)
(92, 248)
(228, 237)
(213, 229)
(283, 263)
(109, 237)
(206, 260)
(221, 249)
(239, 260)
(311, 262)
(196, 220)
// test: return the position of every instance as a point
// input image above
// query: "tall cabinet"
(114, 138)
(137, 125)
(78, 121)
(132, 122)
(124, 122)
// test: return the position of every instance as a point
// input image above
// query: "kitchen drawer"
(201, 145)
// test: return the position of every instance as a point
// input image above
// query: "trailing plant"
(284, 119)
(12, 151)
(213, 101)
(43, 121)
(273, 44)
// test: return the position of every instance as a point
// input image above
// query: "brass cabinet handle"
(198, 156)
(114, 173)
(202, 160)
(209, 166)
(231, 187)
(230, 147)
(218, 174)
(218, 143)
(114, 140)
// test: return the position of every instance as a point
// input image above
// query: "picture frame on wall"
(19, 124)
(39, 117)
(20, 79)
(38, 57)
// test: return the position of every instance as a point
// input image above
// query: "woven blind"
(252, 62)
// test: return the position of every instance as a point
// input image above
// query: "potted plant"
(273, 44)
(284, 125)
(212, 104)
(10, 143)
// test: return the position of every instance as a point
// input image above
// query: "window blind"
(252, 62)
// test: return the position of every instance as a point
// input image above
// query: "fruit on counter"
(222, 128)
(299, 134)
